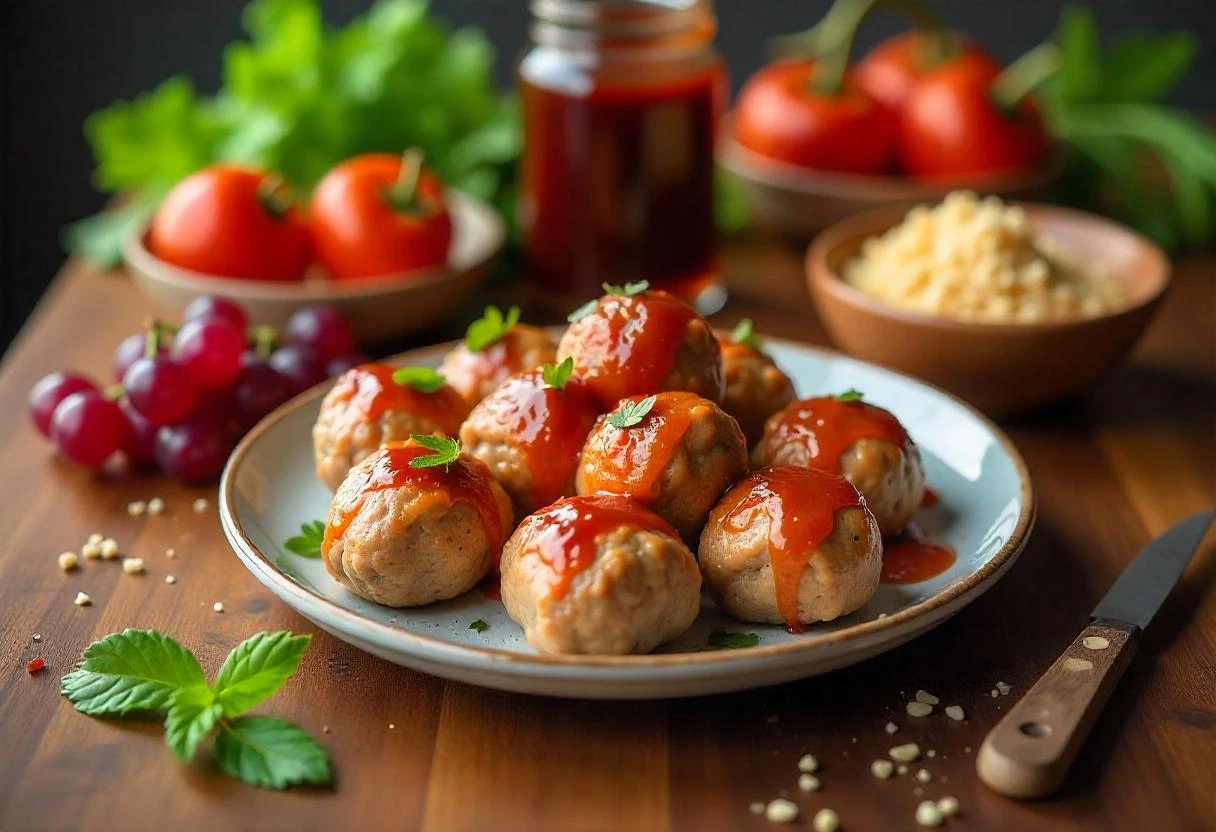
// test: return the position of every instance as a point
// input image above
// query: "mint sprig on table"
(307, 543)
(143, 670)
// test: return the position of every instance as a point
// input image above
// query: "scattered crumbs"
(136, 507)
(927, 698)
(955, 712)
(96, 537)
(943, 779)
(156, 506)
(37, 636)
(324, 729)
(91, 550)
(882, 769)
(854, 739)
(918, 791)
(927, 814)
(808, 763)
(966, 749)
(68, 561)
(882, 615)
(170, 553)
(200, 505)
(826, 821)
(391, 726)
(918, 709)
(1004, 688)
(902, 770)
(756, 808)
(932, 752)
(218, 606)
(82, 600)
(35, 665)
(109, 548)
(923, 776)
(133, 566)
(995, 693)
(781, 811)
(891, 728)
(1090, 643)
(948, 806)
(170, 579)
(808, 782)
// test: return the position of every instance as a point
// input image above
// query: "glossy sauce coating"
(911, 557)
(549, 427)
(828, 427)
(801, 504)
(493, 363)
(567, 531)
(467, 480)
(370, 388)
(930, 498)
(637, 339)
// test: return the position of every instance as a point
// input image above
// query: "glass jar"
(621, 101)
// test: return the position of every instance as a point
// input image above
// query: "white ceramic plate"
(986, 512)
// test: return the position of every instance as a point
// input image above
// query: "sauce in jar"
(620, 103)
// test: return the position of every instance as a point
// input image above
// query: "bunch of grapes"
(184, 395)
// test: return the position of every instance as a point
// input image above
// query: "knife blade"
(1139, 592)
(1029, 752)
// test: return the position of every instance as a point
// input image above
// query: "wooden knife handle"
(1029, 752)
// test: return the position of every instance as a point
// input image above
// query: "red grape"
(210, 349)
(194, 451)
(140, 444)
(50, 390)
(337, 366)
(209, 306)
(131, 349)
(321, 329)
(88, 428)
(258, 390)
(299, 365)
(160, 389)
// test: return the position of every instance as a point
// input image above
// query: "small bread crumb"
(156, 506)
(96, 537)
(891, 728)
(218, 606)
(37, 636)
(927, 814)
(109, 548)
(902, 770)
(324, 729)
(170, 579)
(923, 776)
(906, 753)
(932, 752)
(781, 811)
(948, 806)
(1003, 688)
(68, 561)
(927, 698)
(756, 808)
(91, 550)
(170, 553)
(133, 566)
(136, 507)
(808, 763)
(955, 712)
(882, 769)
(82, 600)
(808, 782)
(200, 505)
(826, 821)
(918, 709)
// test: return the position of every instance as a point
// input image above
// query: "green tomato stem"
(1022, 76)
(403, 195)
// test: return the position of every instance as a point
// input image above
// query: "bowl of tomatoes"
(381, 240)
(813, 138)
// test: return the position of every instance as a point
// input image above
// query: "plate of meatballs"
(637, 506)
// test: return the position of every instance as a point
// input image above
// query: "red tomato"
(893, 67)
(227, 220)
(367, 222)
(950, 128)
(779, 114)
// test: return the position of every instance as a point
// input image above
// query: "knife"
(1029, 752)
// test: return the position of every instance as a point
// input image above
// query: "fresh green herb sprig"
(558, 375)
(490, 328)
(446, 450)
(628, 290)
(722, 640)
(479, 626)
(745, 333)
(629, 414)
(307, 543)
(850, 395)
(143, 670)
(422, 379)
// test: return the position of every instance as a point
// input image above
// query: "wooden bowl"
(1000, 368)
(796, 202)
(379, 308)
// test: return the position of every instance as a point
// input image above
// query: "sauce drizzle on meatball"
(370, 388)
(566, 538)
(827, 428)
(467, 480)
(801, 504)
(910, 557)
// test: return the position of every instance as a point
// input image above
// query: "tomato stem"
(1018, 79)
(264, 338)
(274, 196)
(828, 34)
(403, 195)
(114, 392)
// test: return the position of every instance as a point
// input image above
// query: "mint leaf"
(422, 379)
(193, 712)
(628, 290)
(490, 328)
(256, 668)
(556, 376)
(744, 333)
(583, 311)
(722, 640)
(446, 451)
(270, 753)
(308, 542)
(1144, 67)
(850, 395)
(630, 413)
(131, 670)
(479, 626)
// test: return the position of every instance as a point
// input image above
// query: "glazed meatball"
(405, 536)
(530, 433)
(791, 546)
(863, 442)
(676, 460)
(641, 344)
(366, 409)
(475, 374)
(599, 575)
(755, 387)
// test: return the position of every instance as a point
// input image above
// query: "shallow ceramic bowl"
(985, 512)
(379, 308)
(798, 203)
(1000, 368)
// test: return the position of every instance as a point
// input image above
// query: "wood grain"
(1112, 469)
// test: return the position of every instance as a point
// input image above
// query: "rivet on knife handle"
(1029, 752)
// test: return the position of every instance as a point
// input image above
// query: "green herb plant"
(558, 375)
(722, 640)
(143, 670)
(490, 328)
(308, 542)
(422, 379)
(744, 333)
(850, 395)
(446, 451)
(629, 413)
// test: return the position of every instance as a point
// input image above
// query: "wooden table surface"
(1112, 470)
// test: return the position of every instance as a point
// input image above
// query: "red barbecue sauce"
(371, 389)
(910, 557)
(467, 480)
(564, 534)
(492, 364)
(635, 341)
(827, 427)
(801, 504)
(549, 426)
(930, 498)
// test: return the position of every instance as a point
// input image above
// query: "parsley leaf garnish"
(422, 379)
(556, 375)
(745, 333)
(628, 290)
(144, 670)
(307, 543)
(446, 451)
(722, 640)
(479, 626)
(630, 413)
(583, 311)
(490, 327)
(850, 395)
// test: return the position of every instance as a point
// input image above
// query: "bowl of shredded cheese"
(1010, 305)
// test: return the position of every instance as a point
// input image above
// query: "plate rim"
(439, 649)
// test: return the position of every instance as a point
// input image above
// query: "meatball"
(846, 435)
(366, 409)
(599, 575)
(755, 387)
(405, 536)
(530, 434)
(641, 344)
(791, 546)
(676, 460)
(474, 374)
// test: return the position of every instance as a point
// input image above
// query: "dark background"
(63, 60)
